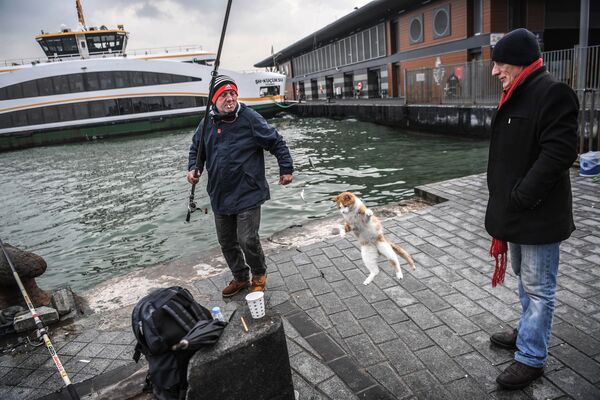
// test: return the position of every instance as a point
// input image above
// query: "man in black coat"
(532, 147)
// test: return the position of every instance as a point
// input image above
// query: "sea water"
(99, 209)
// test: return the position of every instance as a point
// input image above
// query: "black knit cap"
(519, 47)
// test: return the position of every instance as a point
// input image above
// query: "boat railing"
(161, 50)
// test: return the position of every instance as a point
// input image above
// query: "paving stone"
(579, 303)
(310, 368)
(377, 329)
(390, 312)
(440, 364)
(480, 369)
(400, 296)
(500, 310)
(424, 318)
(112, 350)
(350, 373)
(331, 303)
(319, 316)
(578, 361)
(306, 390)
(456, 321)
(466, 389)
(325, 346)
(463, 304)
(421, 381)
(581, 321)
(287, 269)
(96, 366)
(385, 375)
(580, 340)
(470, 290)
(295, 283)
(410, 334)
(430, 300)
(72, 348)
(345, 324)
(359, 307)
(331, 274)
(15, 376)
(303, 324)
(344, 289)
(574, 385)
(401, 357)
(364, 351)
(480, 341)
(449, 341)
(371, 293)
(304, 299)
(335, 388)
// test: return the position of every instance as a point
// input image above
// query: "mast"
(80, 14)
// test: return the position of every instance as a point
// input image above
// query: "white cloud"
(254, 25)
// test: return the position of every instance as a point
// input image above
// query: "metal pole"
(584, 19)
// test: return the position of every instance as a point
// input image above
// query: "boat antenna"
(80, 16)
(191, 203)
(41, 330)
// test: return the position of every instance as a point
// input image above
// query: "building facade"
(366, 53)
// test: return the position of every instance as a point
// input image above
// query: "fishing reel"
(192, 207)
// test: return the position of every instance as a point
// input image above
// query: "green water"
(99, 209)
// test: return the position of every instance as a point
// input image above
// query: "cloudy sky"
(254, 25)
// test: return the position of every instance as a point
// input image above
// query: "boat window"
(81, 110)
(91, 81)
(50, 114)
(165, 79)
(34, 116)
(30, 89)
(5, 120)
(45, 87)
(137, 78)
(121, 79)
(66, 112)
(14, 92)
(269, 91)
(59, 46)
(97, 109)
(125, 106)
(150, 78)
(139, 105)
(19, 118)
(106, 80)
(61, 84)
(76, 83)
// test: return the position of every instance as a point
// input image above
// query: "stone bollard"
(28, 266)
(244, 365)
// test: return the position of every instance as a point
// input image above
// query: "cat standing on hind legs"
(368, 230)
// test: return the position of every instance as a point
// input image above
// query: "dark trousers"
(240, 243)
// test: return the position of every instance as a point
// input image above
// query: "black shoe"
(518, 376)
(506, 340)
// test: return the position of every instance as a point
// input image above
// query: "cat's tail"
(402, 253)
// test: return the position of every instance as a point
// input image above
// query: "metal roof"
(359, 19)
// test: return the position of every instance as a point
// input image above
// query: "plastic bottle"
(217, 314)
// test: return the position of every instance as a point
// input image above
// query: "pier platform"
(423, 337)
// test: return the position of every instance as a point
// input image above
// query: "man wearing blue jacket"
(234, 144)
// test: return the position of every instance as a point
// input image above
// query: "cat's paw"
(399, 275)
(369, 213)
(369, 279)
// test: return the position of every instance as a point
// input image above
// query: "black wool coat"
(532, 147)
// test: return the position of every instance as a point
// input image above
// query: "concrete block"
(244, 365)
(63, 300)
(24, 322)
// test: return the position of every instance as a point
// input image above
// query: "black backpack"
(160, 320)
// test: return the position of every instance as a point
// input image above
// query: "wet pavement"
(423, 337)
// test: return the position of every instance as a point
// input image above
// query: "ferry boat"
(90, 88)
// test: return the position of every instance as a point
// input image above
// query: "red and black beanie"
(223, 83)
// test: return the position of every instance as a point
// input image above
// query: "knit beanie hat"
(223, 83)
(519, 47)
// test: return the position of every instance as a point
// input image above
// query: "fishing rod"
(40, 328)
(191, 203)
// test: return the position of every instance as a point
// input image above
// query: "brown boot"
(507, 339)
(259, 283)
(234, 287)
(518, 376)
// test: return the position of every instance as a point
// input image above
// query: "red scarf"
(506, 93)
(499, 248)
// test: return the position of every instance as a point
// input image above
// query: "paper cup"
(256, 303)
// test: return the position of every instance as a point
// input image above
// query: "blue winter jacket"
(234, 159)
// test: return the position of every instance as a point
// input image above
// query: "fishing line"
(41, 330)
(191, 204)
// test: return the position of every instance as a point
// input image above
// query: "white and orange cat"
(366, 227)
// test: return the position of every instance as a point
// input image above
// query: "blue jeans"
(240, 243)
(536, 267)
